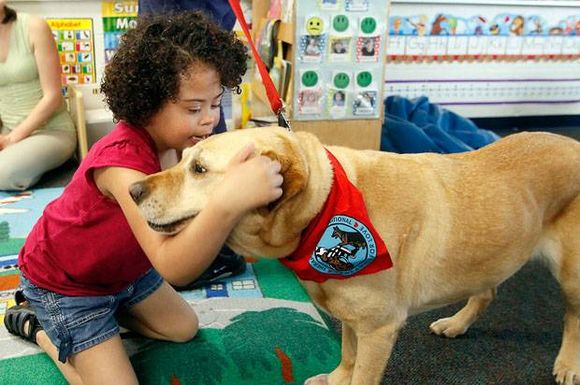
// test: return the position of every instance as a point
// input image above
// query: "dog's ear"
(294, 171)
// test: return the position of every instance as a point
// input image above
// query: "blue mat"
(414, 126)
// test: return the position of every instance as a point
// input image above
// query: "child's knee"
(185, 331)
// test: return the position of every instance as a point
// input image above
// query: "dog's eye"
(198, 168)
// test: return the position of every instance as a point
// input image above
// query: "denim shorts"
(74, 324)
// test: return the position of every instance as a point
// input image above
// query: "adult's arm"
(48, 63)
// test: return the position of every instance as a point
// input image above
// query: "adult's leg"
(23, 163)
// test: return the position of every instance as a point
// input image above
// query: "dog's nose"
(138, 191)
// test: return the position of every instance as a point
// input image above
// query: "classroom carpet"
(262, 329)
(258, 328)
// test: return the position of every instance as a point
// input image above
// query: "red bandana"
(341, 241)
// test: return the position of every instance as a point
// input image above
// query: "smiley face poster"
(340, 47)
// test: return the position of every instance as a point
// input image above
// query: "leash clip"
(282, 120)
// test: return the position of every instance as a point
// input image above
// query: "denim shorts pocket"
(81, 311)
(90, 316)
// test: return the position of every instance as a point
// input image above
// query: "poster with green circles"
(339, 59)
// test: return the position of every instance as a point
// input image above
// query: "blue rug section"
(22, 209)
(19, 211)
(415, 126)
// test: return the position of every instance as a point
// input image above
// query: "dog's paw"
(565, 374)
(448, 327)
(321, 379)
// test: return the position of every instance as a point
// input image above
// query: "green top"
(20, 88)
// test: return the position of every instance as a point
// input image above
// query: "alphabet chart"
(75, 43)
(502, 60)
(339, 59)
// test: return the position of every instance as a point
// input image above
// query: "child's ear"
(293, 170)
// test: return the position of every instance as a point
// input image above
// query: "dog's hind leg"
(567, 365)
(459, 323)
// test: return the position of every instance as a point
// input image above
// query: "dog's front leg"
(343, 372)
(372, 353)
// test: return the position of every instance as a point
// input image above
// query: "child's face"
(181, 124)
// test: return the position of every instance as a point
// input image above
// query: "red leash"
(274, 98)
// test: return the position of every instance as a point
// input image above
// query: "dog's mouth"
(170, 227)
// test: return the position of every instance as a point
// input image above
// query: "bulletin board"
(75, 42)
(480, 59)
(339, 59)
(118, 17)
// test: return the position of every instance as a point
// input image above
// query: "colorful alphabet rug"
(258, 328)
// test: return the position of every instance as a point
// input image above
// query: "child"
(227, 263)
(92, 262)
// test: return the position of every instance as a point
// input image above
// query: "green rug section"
(37, 369)
(278, 282)
(11, 245)
(277, 346)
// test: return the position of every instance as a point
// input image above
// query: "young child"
(227, 263)
(92, 263)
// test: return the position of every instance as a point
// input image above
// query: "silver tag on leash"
(283, 122)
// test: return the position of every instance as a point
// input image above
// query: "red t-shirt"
(82, 243)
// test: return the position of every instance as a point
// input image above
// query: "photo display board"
(339, 59)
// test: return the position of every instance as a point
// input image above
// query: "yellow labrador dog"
(456, 226)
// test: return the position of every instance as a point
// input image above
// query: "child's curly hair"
(147, 69)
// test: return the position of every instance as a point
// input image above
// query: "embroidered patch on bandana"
(346, 247)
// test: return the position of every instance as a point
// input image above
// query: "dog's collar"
(340, 242)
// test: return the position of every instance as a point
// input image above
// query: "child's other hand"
(249, 182)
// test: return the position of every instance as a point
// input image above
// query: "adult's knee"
(11, 179)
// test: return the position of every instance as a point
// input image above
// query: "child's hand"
(249, 183)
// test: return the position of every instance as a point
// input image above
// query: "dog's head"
(170, 199)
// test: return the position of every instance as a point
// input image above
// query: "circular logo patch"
(346, 247)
